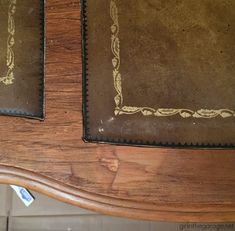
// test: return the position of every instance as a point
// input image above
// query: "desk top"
(51, 158)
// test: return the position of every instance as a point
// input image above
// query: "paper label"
(24, 195)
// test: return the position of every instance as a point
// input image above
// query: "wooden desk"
(153, 184)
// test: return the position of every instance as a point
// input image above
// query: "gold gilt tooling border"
(8, 79)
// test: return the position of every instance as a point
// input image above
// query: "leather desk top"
(22, 58)
(159, 73)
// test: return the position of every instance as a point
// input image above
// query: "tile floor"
(46, 214)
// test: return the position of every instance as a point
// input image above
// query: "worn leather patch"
(159, 72)
(22, 58)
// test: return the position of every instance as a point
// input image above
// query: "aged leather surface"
(160, 72)
(21, 58)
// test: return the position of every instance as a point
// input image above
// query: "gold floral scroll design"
(121, 109)
(10, 61)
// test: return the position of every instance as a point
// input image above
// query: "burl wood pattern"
(50, 157)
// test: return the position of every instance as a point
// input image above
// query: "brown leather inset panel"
(21, 58)
(159, 72)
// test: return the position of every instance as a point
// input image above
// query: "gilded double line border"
(121, 109)
(8, 79)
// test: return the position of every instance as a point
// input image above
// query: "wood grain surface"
(151, 184)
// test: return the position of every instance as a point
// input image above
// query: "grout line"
(7, 224)
(9, 207)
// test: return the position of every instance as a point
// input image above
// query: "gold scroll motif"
(10, 62)
(120, 109)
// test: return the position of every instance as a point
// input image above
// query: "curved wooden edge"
(111, 206)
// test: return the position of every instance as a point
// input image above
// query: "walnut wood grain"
(151, 184)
